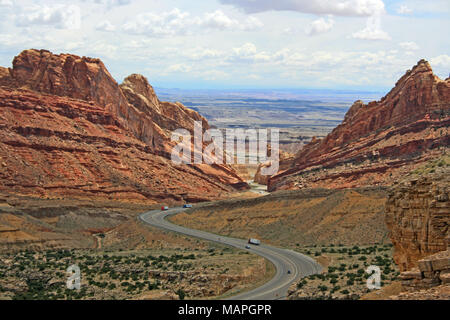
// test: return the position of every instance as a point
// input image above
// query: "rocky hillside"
(298, 217)
(68, 129)
(379, 142)
(418, 217)
(418, 214)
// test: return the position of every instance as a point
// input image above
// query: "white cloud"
(70, 46)
(334, 7)
(177, 22)
(251, 24)
(421, 6)
(373, 9)
(158, 25)
(316, 67)
(6, 3)
(202, 53)
(253, 77)
(219, 20)
(58, 16)
(409, 46)
(112, 3)
(248, 49)
(441, 61)
(441, 66)
(319, 26)
(9, 40)
(103, 50)
(248, 53)
(403, 9)
(179, 68)
(262, 57)
(212, 75)
(372, 31)
(105, 26)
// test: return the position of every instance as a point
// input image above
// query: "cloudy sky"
(336, 44)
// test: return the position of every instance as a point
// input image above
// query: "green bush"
(181, 294)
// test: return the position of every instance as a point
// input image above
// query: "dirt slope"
(306, 217)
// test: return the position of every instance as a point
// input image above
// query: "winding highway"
(290, 265)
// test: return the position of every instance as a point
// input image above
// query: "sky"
(232, 44)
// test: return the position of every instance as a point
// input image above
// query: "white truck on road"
(255, 242)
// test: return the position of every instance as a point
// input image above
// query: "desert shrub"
(181, 294)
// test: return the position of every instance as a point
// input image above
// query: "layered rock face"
(418, 217)
(68, 129)
(379, 142)
(433, 271)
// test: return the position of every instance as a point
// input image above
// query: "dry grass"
(306, 217)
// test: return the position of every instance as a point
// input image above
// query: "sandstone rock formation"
(69, 130)
(285, 159)
(379, 142)
(418, 217)
(433, 271)
(436, 293)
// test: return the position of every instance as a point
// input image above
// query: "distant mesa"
(68, 128)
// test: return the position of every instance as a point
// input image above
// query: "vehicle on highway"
(255, 242)
(289, 271)
(187, 206)
(164, 208)
(282, 259)
(247, 247)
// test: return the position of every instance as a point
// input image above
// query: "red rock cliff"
(377, 143)
(67, 128)
(418, 216)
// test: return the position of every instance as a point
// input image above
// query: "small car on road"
(164, 208)
(247, 247)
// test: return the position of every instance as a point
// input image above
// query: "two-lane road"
(284, 260)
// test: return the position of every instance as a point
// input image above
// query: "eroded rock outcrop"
(68, 129)
(433, 271)
(418, 217)
(285, 159)
(379, 142)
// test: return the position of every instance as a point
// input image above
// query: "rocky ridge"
(379, 142)
(69, 130)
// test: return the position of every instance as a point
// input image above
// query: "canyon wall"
(377, 143)
(418, 217)
(68, 129)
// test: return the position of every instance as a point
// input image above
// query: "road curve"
(283, 260)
